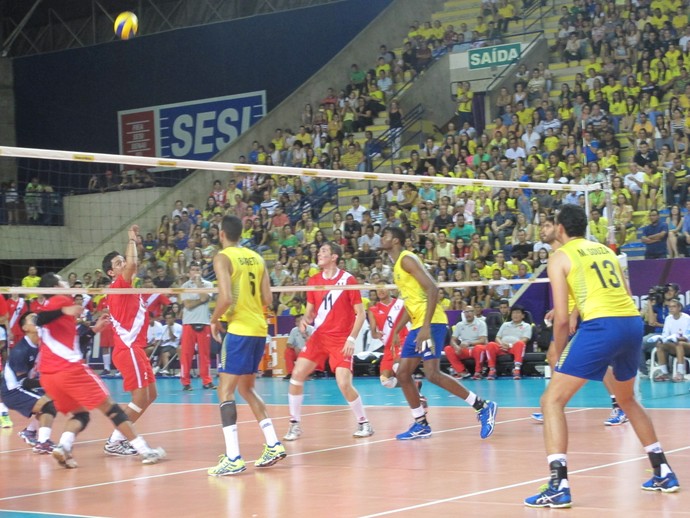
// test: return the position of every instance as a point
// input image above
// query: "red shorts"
(326, 348)
(75, 387)
(134, 366)
(389, 356)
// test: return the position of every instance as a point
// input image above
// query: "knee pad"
(49, 408)
(83, 418)
(117, 415)
(389, 382)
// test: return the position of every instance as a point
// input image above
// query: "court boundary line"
(69, 515)
(300, 454)
(510, 486)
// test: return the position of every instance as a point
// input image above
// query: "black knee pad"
(83, 418)
(117, 415)
(49, 408)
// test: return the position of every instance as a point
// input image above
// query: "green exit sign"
(496, 56)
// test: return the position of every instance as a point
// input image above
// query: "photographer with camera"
(654, 314)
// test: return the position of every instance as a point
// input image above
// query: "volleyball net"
(95, 219)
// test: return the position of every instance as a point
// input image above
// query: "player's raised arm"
(131, 255)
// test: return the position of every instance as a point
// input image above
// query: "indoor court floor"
(330, 473)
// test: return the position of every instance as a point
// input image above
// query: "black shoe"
(209, 386)
(287, 376)
(187, 387)
(105, 372)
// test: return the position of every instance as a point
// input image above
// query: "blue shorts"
(438, 338)
(22, 400)
(241, 354)
(604, 342)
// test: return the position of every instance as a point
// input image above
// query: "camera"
(656, 294)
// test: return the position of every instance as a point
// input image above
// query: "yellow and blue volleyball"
(126, 25)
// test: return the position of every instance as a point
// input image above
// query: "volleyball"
(126, 25)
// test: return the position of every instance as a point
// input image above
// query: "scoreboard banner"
(195, 130)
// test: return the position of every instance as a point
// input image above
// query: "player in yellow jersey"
(241, 271)
(610, 335)
(426, 338)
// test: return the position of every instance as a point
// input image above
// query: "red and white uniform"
(334, 320)
(64, 375)
(106, 334)
(130, 321)
(387, 317)
(155, 302)
(17, 309)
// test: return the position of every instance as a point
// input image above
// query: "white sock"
(140, 444)
(681, 369)
(67, 440)
(117, 436)
(43, 433)
(471, 398)
(418, 412)
(3, 408)
(269, 431)
(106, 361)
(33, 424)
(560, 457)
(664, 469)
(664, 369)
(358, 408)
(232, 443)
(295, 406)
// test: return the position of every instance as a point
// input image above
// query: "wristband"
(350, 339)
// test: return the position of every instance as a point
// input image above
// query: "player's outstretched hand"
(133, 232)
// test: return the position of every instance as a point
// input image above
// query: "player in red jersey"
(337, 317)
(156, 303)
(105, 336)
(130, 322)
(73, 386)
(383, 316)
(17, 306)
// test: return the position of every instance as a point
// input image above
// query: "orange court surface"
(330, 473)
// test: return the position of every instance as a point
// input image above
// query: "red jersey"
(107, 332)
(155, 302)
(37, 306)
(128, 315)
(59, 345)
(335, 315)
(387, 316)
(17, 309)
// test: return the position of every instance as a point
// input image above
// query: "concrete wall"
(8, 169)
(389, 28)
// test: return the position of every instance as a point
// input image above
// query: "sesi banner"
(194, 130)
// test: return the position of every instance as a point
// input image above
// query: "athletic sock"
(269, 431)
(614, 403)
(43, 434)
(33, 424)
(67, 440)
(475, 401)
(106, 362)
(3, 409)
(295, 406)
(140, 444)
(117, 436)
(358, 409)
(232, 443)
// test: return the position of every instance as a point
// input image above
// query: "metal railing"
(385, 146)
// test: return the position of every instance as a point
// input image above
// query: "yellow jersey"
(246, 315)
(596, 282)
(413, 295)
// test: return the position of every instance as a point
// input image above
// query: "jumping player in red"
(74, 387)
(130, 321)
(337, 317)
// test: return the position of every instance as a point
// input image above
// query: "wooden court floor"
(329, 473)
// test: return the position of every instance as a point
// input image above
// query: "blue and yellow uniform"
(416, 302)
(245, 340)
(611, 330)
